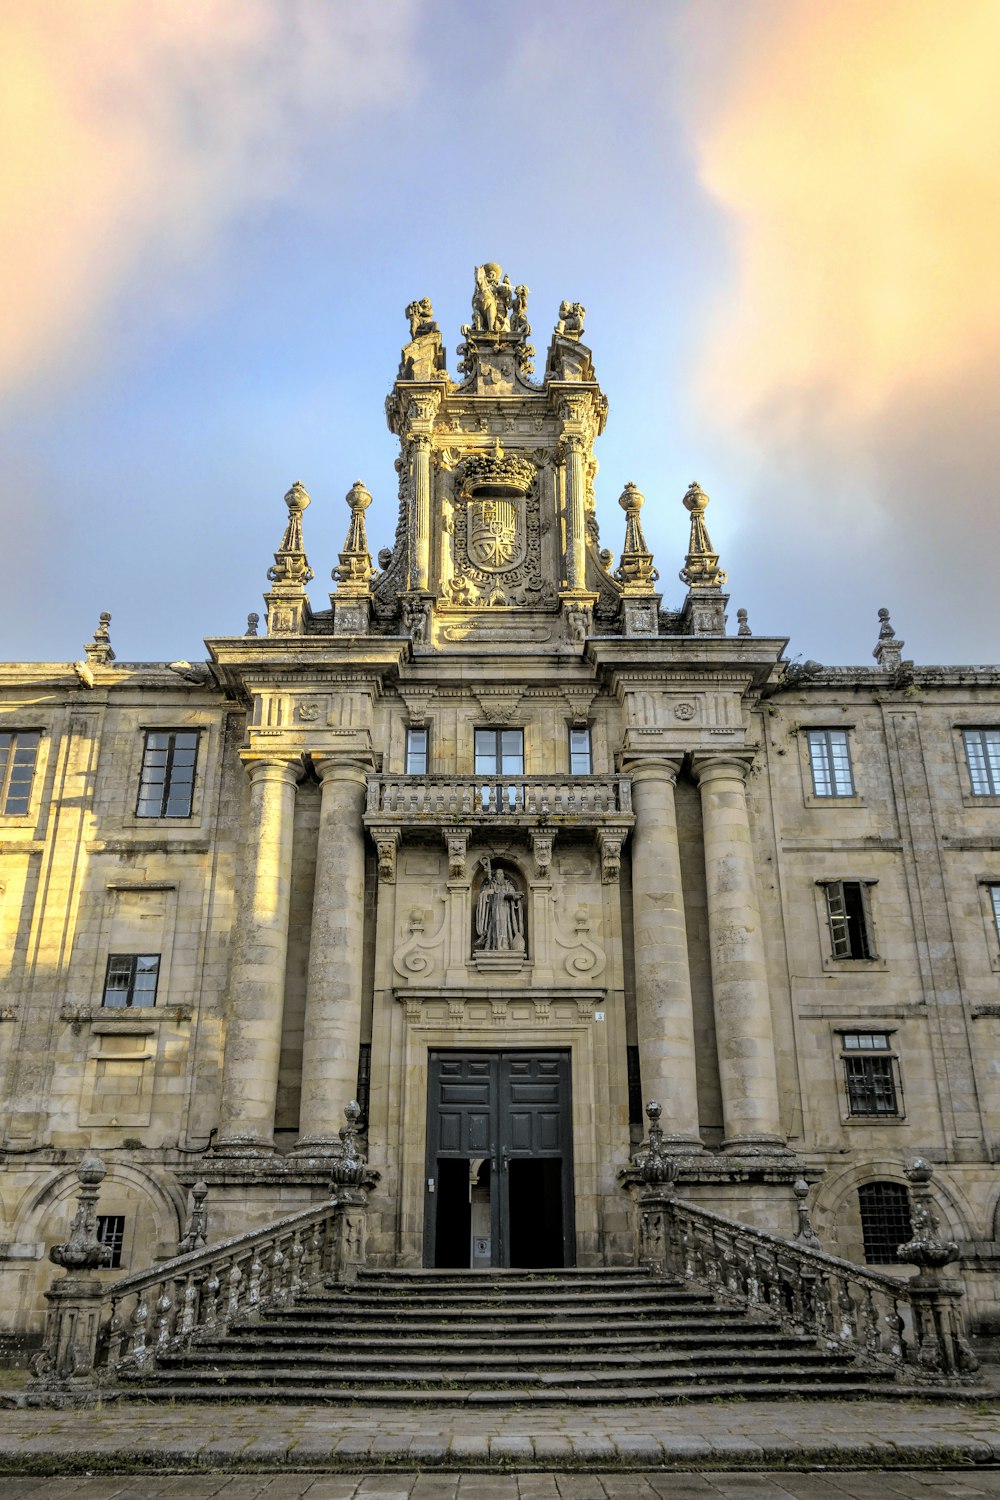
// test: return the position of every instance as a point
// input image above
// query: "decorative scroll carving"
(415, 958)
(584, 959)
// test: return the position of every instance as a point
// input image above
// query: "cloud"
(852, 354)
(133, 134)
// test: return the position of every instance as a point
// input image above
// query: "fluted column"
(744, 1035)
(257, 969)
(664, 1010)
(332, 1032)
(421, 445)
(576, 523)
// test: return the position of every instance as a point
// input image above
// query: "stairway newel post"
(351, 1181)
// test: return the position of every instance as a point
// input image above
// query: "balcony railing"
(431, 799)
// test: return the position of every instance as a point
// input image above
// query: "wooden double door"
(499, 1182)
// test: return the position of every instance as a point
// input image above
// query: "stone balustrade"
(93, 1331)
(912, 1327)
(587, 800)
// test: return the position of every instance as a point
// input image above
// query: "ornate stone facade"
(497, 810)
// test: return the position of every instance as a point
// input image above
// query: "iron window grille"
(111, 1232)
(18, 753)
(885, 1221)
(830, 763)
(499, 752)
(982, 754)
(581, 757)
(848, 908)
(416, 752)
(131, 980)
(166, 782)
(870, 1074)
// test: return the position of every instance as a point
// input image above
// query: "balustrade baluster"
(873, 1342)
(189, 1304)
(164, 1317)
(117, 1325)
(295, 1256)
(279, 1290)
(140, 1329)
(233, 1280)
(847, 1313)
(210, 1305)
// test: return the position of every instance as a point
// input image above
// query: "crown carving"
(496, 469)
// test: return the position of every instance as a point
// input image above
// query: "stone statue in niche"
(499, 913)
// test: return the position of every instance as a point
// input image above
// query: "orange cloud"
(132, 130)
(854, 147)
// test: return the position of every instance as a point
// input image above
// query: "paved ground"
(841, 1485)
(736, 1435)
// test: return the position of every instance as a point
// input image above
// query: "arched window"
(885, 1220)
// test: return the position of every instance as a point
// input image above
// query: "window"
(131, 980)
(994, 893)
(416, 752)
(166, 785)
(830, 762)
(499, 752)
(364, 1089)
(869, 1070)
(850, 919)
(111, 1232)
(982, 752)
(18, 752)
(885, 1221)
(635, 1110)
(581, 760)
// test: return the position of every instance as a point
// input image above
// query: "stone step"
(434, 1364)
(649, 1305)
(363, 1335)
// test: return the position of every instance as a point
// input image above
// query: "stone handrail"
(912, 1326)
(473, 797)
(95, 1329)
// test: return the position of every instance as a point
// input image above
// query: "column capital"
(651, 767)
(287, 768)
(338, 766)
(724, 766)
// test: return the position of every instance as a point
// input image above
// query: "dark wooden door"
(500, 1125)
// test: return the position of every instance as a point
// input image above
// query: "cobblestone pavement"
(842, 1485)
(736, 1435)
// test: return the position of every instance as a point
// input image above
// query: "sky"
(782, 216)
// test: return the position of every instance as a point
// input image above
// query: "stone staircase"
(495, 1337)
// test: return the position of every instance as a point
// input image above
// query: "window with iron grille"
(885, 1221)
(131, 980)
(499, 752)
(166, 783)
(111, 1232)
(635, 1110)
(870, 1073)
(982, 754)
(830, 763)
(994, 891)
(416, 752)
(581, 759)
(363, 1094)
(18, 753)
(849, 911)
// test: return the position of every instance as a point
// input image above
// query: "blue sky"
(781, 216)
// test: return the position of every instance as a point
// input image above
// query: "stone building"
(504, 847)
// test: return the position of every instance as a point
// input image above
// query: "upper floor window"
(994, 891)
(869, 1072)
(849, 911)
(166, 785)
(131, 980)
(830, 763)
(885, 1220)
(18, 753)
(499, 752)
(581, 759)
(416, 752)
(982, 752)
(111, 1233)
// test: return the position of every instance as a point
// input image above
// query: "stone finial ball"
(653, 1111)
(919, 1170)
(631, 498)
(695, 499)
(352, 1111)
(297, 498)
(358, 497)
(91, 1171)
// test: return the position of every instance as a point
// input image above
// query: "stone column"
(333, 989)
(664, 1010)
(747, 1067)
(257, 969)
(576, 524)
(421, 448)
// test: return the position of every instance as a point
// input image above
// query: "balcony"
(514, 801)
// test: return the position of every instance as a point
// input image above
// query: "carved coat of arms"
(496, 538)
